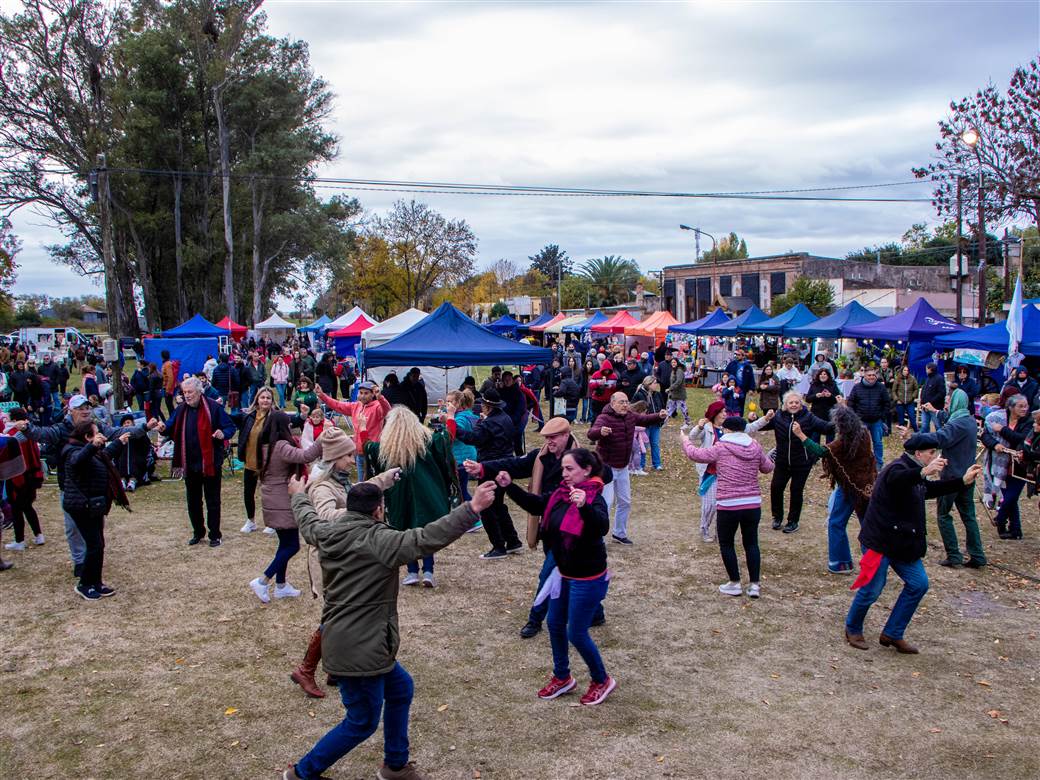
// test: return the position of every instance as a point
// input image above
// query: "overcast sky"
(693, 97)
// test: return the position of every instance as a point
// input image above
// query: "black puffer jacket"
(870, 402)
(84, 479)
(821, 405)
(789, 452)
(492, 436)
(934, 390)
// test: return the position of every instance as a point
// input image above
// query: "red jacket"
(615, 449)
(603, 383)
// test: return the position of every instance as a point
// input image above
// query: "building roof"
(725, 264)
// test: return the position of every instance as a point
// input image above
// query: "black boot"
(530, 629)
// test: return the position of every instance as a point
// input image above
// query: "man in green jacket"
(360, 558)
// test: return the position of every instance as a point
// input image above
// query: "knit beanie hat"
(335, 444)
(735, 424)
(713, 410)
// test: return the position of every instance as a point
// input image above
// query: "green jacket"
(425, 491)
(360, 557)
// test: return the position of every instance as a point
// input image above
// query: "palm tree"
(611, 277)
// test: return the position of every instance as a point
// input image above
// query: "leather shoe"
(950, 563)
(777, 524)
(790, 528)
(971, 563)
(530, 629)
(856, 640)
(901, 645)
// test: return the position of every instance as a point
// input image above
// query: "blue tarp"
(191, 352)
(733, 327)
(796, 316)
(994, 338)
(918, 323)
(586, 325)
(717, 317)
(318, 325)
(196, 327)
(448, 338)
(541, 320)
(831, 326)
(503, 325)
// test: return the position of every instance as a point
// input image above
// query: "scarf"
(958, 404)
(572, 525)
(115, 482)
(868, 566)
(535, 487)
(205, 432)
(995, 464)
(12, 462)
(33, 474)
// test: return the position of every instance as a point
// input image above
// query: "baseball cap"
(77, 401)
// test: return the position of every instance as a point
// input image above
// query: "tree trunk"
(259, 266)
(224, 140)
(178, 242)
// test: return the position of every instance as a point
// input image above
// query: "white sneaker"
(14, 546)
(753, 590)
(707, 537)
(38, 539)
(262, 591)
(285, 591)
(427, 580)
(639, 473)
(269, 531)
(730, 588)
(410, 579)
(249, 527)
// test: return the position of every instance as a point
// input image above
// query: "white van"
(49, 339)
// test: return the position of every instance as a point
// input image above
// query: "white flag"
(1014, 326)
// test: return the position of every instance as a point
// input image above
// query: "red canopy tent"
(354, 329)
(238, 332)
(616, 324)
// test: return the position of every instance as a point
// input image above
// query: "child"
(731, 396)
(313, 427)
(640, 440)
(131, 459)
(719, 386)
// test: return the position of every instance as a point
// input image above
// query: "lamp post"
(971, 138)
(714, 259)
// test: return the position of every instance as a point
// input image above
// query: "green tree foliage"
(10, 246)
(730, 247)
(920, 246)
(498, 309)
(816, 294)
(610, 279)
(552, 262)
(27, 316)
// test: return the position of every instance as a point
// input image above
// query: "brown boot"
(303, 675)
(901, 645)
(856, 640)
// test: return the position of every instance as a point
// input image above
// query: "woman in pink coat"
(738, 461)
(280, 459)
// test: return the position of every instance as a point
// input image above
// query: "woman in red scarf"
(574, 522)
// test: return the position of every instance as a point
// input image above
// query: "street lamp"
(971, 138)
(714, 258)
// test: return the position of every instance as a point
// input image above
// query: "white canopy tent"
(274, 322)
(347, 319)
(438, 381)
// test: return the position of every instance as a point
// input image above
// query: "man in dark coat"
(893, 534)
(870, 400)
(631, 378)
(413, 389)
(933, 397)
(516, 408)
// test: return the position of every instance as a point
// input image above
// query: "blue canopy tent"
(448, 338)
(504, 324)
(994, 338)
(735, 325)
(918, 326)
(794, 317)
(191, 352)
(318, 325)
(198, 326)
(586, 326)
(541, 320)
(717, 317)
(831, 326)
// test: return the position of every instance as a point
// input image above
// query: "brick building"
(884, 289)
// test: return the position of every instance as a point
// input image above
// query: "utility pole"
(982, 254)
(559, 286)
(960, 275)
(108, 256)
(1007, 267)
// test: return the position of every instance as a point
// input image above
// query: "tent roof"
(994, 338)
(274, 322)
(918, 323)
(318, 324)
(831, 326)
(731, 328)
(557, 327)
(346, 319)
(615, 324)
(797, 315)
(504, 324)
(395, 326)
(547, 323)
(238, 331)
(197, 326)
(717, 317)
(655, 325)
(587, 323)
(354, 328)
(449, 338)
(542, 319)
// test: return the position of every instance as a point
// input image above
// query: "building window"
(669, 296)
(725, 286)
(698, 297)
(749, 288)
(777, 283)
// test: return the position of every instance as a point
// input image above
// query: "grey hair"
(191, 381)
(794, 393)
(1012, 402)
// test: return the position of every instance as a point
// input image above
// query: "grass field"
(185, 675)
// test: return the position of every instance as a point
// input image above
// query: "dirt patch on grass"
(185, 675)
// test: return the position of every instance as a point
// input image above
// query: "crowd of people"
(374, 477)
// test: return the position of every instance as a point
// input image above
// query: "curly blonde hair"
(404, 439)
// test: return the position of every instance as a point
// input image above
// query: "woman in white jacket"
(704, 434)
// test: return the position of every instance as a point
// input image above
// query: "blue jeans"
(877, 435)
(360, 460)
(539, 611)
(1008, 517)
(427, 565)
(906, 412)
(915, 585)
(363, 699)
(928, 421)
(281, 395)
(463, 483)
(247, 397)
(654, 434)
(77, 546)
(288, 546)
(569, 619)
(839, 509)
(586, 410)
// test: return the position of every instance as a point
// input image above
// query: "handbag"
(559, 407)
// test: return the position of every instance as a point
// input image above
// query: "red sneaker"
(597, 692)
(557, 688)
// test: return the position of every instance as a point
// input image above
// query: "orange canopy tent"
(656, 326)
(540, 328)
(238, 332)
(616, 324)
